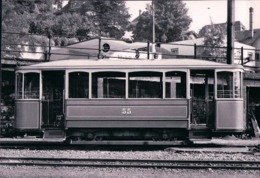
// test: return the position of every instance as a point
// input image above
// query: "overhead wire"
(95, 50)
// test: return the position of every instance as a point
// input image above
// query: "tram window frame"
(224, 84)
(233, 87)
(135, 90)
(78, 88)
(19, 85)
(31, 86)
(108, 84)
(180, 87)
(28, 85)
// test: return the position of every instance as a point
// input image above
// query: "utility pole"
(99, 45)
(230, 30)
(49, 51)
(1, 7)
(153, 42)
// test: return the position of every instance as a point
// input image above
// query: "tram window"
(31, 85)
(19, 89)
(175, 85)
(108, 85)
(78, 85)
(225, 84)
(145, 85)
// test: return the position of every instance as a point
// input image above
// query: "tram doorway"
(253, 105)
(53, 98)
(202, 95)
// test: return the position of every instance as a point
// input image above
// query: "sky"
(203, 12)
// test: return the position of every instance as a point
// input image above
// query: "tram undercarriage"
(128, 134)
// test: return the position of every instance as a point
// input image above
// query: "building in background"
(186, 49)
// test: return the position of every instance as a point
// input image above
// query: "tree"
(213, 43)
(108, 17)
(78, 19)
(18, 15)
(72, 25)
(171, 20)
(14, 20)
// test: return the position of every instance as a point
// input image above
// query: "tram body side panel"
(230, 115)
(127, 113)
(27, 114)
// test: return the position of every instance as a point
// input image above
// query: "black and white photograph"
(130, 89)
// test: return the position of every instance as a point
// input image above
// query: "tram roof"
(129, 63)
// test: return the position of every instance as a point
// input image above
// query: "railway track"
(129, 163)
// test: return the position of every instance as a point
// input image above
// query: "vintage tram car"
(90, 100)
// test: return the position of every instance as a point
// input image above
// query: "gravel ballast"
(168, 154)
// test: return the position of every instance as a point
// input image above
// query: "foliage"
(71, 25)
(143, 28)
(213, 41)
(66, 25)
(17, 17)
(106, 17)
(79, 19)
(171, 20)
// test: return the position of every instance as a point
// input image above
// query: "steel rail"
(130, 163)
(130, 160)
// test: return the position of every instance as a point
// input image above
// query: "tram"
(80, 99)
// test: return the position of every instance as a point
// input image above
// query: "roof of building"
(237, 27)
(89, 48)
(246, 38)
(200, 41)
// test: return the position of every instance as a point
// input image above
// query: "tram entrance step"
(200, 134)
(54, 133)
(255, 125)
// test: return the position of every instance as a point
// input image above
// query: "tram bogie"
(129, 99)
(155, 134)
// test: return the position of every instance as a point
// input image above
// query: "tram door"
(202, 93)
(53, 98)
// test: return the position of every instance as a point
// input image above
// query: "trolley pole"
(230, 30)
